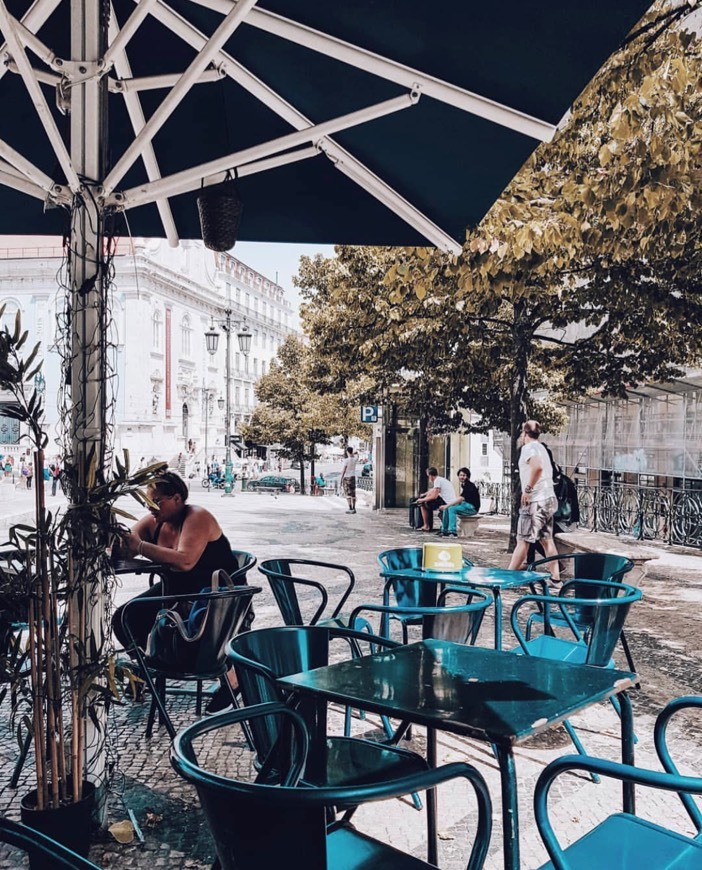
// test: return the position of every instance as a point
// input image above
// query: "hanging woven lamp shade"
(220, 208)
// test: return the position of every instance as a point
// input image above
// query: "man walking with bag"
(538, 502)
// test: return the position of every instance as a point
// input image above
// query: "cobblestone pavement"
(663, 632)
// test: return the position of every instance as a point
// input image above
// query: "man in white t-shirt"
(348, 479)
(538, 502)
(440, 492)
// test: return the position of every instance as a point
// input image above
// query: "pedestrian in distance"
(55, 473)
(538, 501)
(348, 478)
(466, 504)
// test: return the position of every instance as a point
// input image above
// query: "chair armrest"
(532, 565)
(335, 567)
(544, 603)
(28, 840)
(169, 600)
(686, 702)
(184, 758)
(612, 769)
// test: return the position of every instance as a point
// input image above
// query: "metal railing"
(669, 514)
(646, 513)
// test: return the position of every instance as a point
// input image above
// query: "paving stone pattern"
(664, 636)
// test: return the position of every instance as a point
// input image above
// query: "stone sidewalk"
(663, 632)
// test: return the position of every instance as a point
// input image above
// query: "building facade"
(168, 393)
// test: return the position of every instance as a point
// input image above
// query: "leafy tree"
(294, 414)
(368, 345)
(600, 229)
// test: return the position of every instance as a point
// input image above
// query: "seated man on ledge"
(441, 492)
(466, 504)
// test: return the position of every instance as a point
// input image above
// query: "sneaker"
(349, 511)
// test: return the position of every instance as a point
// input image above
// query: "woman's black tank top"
(217, 554)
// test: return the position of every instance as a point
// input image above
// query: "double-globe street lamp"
(212, 342)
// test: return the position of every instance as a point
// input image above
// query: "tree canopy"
(295, 415)
(583, 276)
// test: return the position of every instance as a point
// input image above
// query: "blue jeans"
(450, 514)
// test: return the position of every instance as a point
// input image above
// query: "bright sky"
(278, 262)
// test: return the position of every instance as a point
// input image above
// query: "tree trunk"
(312, 446)
(422, 453)
(521, 338)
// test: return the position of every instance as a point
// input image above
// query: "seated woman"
(184, 538)
(467, 504)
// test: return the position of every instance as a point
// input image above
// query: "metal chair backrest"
(226, 611)
(459, 623)
(400, 558)
(245, 562)
(409, 592)
(607, 606)
(260, 657)
(589, 566)
(286, 575)
(610, 609)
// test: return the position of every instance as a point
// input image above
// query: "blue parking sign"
(369, 413)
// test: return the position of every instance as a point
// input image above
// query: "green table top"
(496, 578)
(491, 695)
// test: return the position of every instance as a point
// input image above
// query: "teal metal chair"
(624, 840)
(261, 657)
(605, 607)
(286, 576)
(406, 592)
(226, 609)
(588, 566)
(42, 849)
(259, 825)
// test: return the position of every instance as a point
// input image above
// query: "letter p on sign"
(369, 413)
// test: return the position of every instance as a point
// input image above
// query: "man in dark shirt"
(467, 504)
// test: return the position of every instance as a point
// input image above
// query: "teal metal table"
(494, 579)
(492, 696)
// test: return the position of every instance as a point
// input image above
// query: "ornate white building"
(169, 395)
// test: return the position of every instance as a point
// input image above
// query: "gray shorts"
(349, 487)
(535, 521)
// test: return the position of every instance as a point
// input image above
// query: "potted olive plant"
(60, 579)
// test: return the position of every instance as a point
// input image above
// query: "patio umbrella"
(372, 121)
(366, 122)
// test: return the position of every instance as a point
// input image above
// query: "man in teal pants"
(466, 504)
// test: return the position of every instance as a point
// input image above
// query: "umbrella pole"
(88, 332)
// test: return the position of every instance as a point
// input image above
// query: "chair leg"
(152, 716)
(20, 761)
(629, 658)
(198, 699)
(578, 745)
(248, 736)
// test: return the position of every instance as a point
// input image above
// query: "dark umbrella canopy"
(437, 162)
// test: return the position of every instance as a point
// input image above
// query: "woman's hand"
(130, 544)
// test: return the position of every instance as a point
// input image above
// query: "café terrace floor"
(663, 632)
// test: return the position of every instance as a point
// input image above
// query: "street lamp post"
(212, 341)
(207, 395)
